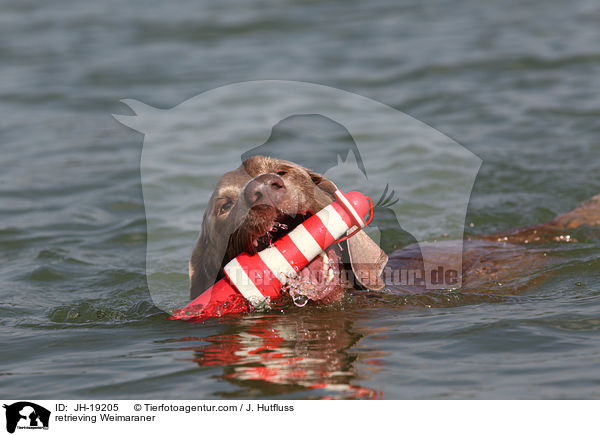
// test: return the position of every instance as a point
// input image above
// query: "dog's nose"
(265, 189)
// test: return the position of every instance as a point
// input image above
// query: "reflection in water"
(274, 355)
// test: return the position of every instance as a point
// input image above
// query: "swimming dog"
(265, 198)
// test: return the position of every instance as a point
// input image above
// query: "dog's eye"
(281, 173)
(225, 207)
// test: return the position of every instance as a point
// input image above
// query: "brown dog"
(265, 198)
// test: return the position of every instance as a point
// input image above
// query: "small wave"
(94, 313)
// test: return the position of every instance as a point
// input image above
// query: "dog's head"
(258, 203)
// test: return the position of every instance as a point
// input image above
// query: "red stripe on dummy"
(260, 274)
(290, 251)
(319, 232)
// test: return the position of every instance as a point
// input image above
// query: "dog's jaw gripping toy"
(251, 281)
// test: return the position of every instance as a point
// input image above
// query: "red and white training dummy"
(252, 281)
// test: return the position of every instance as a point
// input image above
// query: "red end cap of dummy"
(220, 299)
(356, 204)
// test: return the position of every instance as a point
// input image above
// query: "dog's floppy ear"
(204, 264)
(323, 183)
(367, 260)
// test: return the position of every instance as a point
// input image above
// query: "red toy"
(252, 280)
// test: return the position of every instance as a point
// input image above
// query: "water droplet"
(300, 300)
